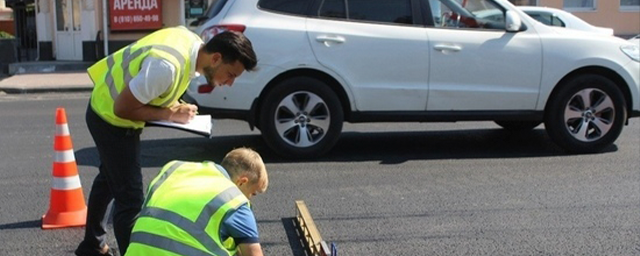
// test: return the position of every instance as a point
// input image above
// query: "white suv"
(324, 62)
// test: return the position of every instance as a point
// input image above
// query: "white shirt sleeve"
(155, 77)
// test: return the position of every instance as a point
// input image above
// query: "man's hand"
(182, 112)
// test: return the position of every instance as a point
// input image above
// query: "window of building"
(629, 5)
(580, 4)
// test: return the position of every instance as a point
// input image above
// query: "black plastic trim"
(395, 116)
(444, 116)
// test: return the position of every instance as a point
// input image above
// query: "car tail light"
(210, 32)
(205, 88)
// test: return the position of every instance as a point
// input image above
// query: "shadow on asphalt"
(20, 225)
(295, 237)
(386, 147)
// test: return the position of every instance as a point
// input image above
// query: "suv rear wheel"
(301, 117)
(586, 115)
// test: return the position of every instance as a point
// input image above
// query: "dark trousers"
(120, 180)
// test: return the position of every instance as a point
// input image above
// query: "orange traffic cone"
(66, 205)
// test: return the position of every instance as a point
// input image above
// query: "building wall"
(8, 26)
(607, 14)
(5, 13)
(171, 16)
(6, 20)
(92, 27)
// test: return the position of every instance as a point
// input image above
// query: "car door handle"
(336, 39)
(326, 40)
(445, 48)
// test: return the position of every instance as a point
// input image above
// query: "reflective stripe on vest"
(231, 197)
(112, 74)
(166, 244)
(194, 228)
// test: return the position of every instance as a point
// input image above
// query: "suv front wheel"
(586, 115)
(301, 117)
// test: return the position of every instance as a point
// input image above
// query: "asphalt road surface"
(386, 189)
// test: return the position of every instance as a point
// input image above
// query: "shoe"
(90, 252)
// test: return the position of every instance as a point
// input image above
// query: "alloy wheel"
(302, 119)
(589, 114)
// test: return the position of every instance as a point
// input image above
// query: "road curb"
(46, 83)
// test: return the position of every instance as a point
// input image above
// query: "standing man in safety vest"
(143, 82)
(194, 209)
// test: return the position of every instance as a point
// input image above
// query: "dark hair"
(233, 46)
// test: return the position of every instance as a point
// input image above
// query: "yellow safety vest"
(113, 73)
(184, 208)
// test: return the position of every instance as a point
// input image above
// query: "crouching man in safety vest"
(202, 208)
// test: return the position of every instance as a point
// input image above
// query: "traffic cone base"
(64, 219)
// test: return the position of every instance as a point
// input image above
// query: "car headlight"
(633, 51)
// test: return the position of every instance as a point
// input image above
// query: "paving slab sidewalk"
(46, 82)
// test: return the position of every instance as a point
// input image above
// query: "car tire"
(301, 118)
(586, 114)
(518, 125)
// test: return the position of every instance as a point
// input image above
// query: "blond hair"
(247, 162)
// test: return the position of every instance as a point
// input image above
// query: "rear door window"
(296, 7)
(333, 9)
(385, 11)
(379, 11)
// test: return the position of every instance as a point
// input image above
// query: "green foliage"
(5, 35)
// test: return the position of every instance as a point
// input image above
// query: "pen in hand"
(185, 103)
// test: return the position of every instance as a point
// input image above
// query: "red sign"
(135, 14)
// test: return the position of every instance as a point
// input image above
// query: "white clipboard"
(200, 124)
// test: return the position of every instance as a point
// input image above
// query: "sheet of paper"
(200, 124)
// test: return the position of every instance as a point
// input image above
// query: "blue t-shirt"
(241, 224)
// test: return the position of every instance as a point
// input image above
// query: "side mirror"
(512, 21)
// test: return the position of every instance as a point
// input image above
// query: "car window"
(299, 7)
(333, 9)
(546, 18)
(387, 11)
(215, 8)
(555, 21)
(468, 14)
(379, 11)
